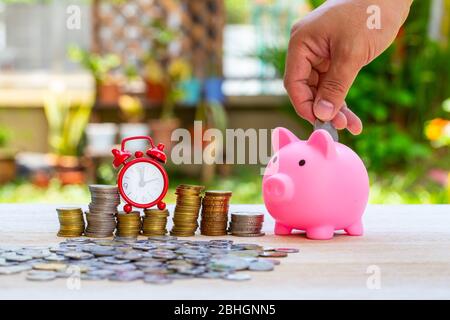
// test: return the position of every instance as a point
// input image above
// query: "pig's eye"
(274, 159)
(301, 163)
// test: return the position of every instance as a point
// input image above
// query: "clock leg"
(127, 208)
(161, 205)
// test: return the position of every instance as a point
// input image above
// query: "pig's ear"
(282, 137)
(323, 142)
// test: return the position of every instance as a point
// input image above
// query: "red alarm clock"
(142, 181)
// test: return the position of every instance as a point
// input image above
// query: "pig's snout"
(278, 187)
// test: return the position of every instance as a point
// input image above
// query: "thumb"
(334, 86)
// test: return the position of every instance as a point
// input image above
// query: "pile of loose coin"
(102, 211)
(215, 207)
(156, 260)
(71, 222)
(185, 218)
(128, 224)
(246, 224)
(154, 222)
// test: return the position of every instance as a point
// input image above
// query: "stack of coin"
(215, 206)
(246, 224)
(128, 224)
(185, 218)
(71, 222)
(102, 210)
(155, 222)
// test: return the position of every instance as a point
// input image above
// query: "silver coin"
(237, 277)
(34, 253)
(245, 253)
(213, 275)
(104, 242)
(78, 255)
(132, 256)
(127, 276)
(12, 256)
(62, 274)
(4, 263)
(14, 269)
(287, 250)
(101, 273)
(178, 276)
(144, 246)
(78, 240)
(229, 264)
(41, 275)
(103, 252)
(274, 261)
(272, 254)
(114, 260)
(246, 246)
(327, 126)
(156, 279)
(120, 267)
(90, 277)
(261, 266)
(162, 238)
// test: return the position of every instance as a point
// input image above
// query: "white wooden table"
(406, 248)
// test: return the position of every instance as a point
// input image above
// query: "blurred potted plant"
(157, 60)
(178, 70)
(7, 157)
(107, 86)
(437, 132)
(156, 86)
(213, 84)
(66, 124)
(132, 111)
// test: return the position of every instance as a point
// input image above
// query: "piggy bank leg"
(320, 233)
(281, 229)
(355, 229)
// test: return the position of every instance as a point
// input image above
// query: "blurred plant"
(131, 72)
(438, 129)
(161, 67)
(394, 94)
(178, 70)
(158, 56)
(238, 11)
(5, 136)
(66, 122)
(154, 71)
(99, 66)
(131, 108)
(106, 174)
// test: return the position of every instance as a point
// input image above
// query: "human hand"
(328, 48)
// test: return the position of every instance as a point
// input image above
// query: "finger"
(299, 62)
(354, 124)
(334, 85)
(339, 121)
(313, 78)
(322, 66)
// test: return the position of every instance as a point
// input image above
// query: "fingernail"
(324, 110)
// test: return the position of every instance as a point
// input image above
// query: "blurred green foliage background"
(395, 96)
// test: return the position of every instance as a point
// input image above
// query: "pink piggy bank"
(317, 185)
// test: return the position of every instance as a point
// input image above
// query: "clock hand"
(145, 182)
(141, 177)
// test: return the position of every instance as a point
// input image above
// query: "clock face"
(143, 182)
